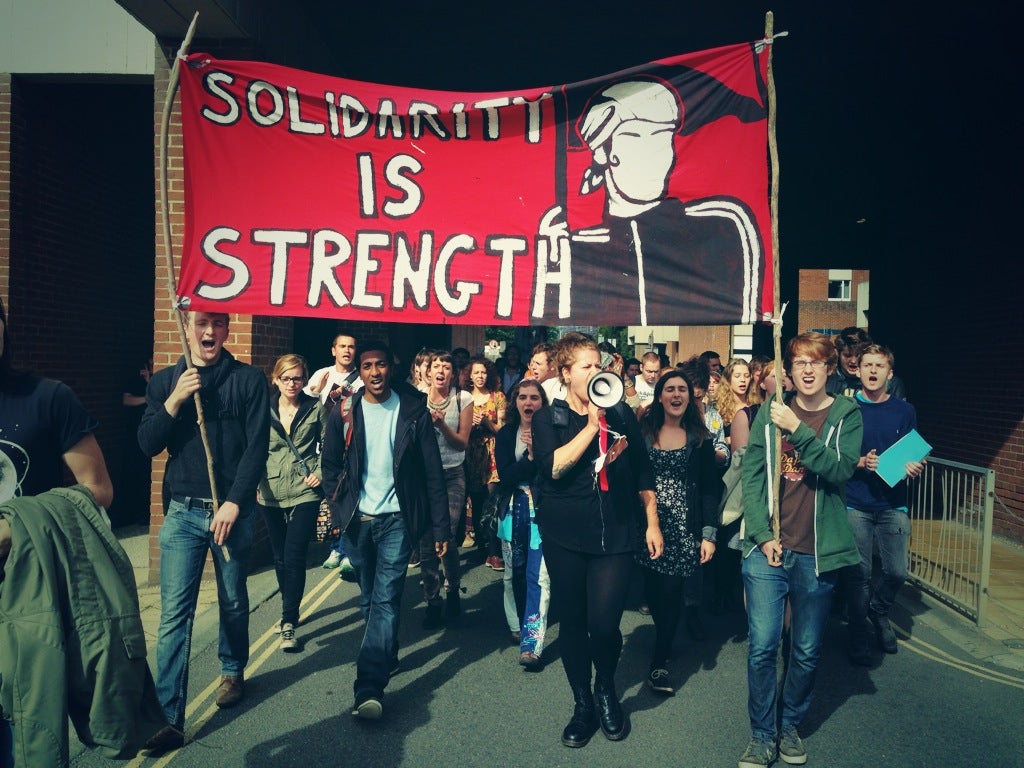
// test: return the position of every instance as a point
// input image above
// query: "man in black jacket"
(383, 470)
(236, 411)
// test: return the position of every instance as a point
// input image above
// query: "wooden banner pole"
(172, 289)
(773, 153)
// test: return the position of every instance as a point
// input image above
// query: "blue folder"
(892, 462)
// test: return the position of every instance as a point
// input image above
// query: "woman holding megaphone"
(598, 490)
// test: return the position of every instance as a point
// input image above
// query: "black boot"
(452, 605)
(609, 711)
(584, 718)
(884, 631)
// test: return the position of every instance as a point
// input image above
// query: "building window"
(839, 290)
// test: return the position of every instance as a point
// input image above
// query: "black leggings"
(290, 529)
(664, 596)
(589, 593)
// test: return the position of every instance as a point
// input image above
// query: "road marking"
(929, 651)
(312, 600)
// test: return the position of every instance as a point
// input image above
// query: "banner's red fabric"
(637, 198)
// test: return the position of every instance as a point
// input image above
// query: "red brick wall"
(5, 185)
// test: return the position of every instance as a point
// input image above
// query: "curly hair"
(493, 382)
(725, 399)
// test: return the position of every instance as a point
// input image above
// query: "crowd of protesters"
(569, 499)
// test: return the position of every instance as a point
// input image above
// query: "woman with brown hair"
(688, 489)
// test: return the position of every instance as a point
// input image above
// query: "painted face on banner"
(640, 160)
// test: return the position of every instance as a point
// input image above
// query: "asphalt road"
(461, 699)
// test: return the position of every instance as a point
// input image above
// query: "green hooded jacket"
(832, 459)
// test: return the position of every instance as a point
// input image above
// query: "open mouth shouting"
(209, 332)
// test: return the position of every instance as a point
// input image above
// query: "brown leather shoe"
(164, 740)
(230, 691)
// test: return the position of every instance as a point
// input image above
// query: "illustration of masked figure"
(653, 257)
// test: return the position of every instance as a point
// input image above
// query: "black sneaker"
(434, 616)
(367, 707)
(657, 681)
(452, 605)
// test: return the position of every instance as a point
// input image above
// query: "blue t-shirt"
(884, 424)
(380, 422)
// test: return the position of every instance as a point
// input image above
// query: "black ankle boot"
(609, 711)
(584, 718)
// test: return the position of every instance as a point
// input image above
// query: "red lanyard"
(602, 444)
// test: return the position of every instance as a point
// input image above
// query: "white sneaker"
(348, 571)
(333, 560)
(288, 641)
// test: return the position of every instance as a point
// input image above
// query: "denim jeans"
(185, 539)
(891, 529)
(380, 554)
(767, 588)
(430, 572)
(290, 530)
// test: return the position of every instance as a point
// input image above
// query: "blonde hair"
(725, 399)
(286, 363)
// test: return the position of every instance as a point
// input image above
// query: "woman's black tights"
(589, 593)
(665, 599)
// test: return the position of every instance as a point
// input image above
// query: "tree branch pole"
(172, 288)
(773, 153)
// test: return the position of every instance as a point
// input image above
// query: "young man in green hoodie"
(799, 561)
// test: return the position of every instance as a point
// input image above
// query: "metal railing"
(951, 534)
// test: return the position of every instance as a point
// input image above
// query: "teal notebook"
(893, 460)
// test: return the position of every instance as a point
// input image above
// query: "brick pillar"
(5, 184)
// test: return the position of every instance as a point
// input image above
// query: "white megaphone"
(605, 389)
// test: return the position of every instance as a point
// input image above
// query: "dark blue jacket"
(236, 411)
(419, 475)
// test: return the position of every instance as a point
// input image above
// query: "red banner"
(634, 199)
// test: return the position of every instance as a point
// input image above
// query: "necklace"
(439, 406)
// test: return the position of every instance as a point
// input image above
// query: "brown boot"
(230, 691)
(164, 740)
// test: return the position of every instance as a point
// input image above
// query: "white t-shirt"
(335, 378)
(644, 390)
(553, 388)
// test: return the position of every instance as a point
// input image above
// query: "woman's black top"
(575, 513)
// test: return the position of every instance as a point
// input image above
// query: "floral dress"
(682, 550)
(481, 467)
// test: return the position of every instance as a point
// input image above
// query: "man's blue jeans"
(380, 554)
(768, 588)
(185, 538)
(891, 529)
